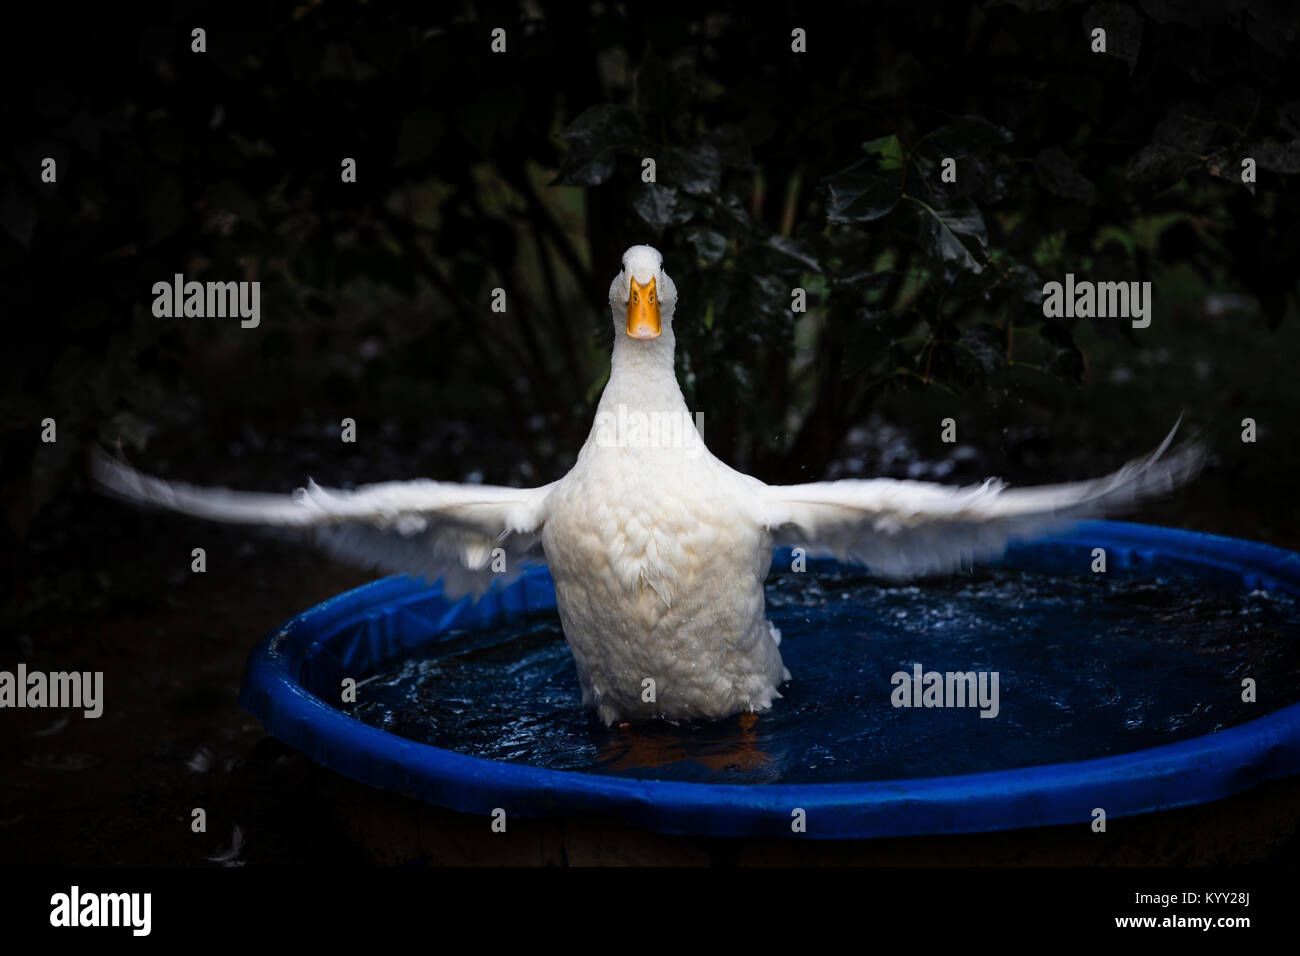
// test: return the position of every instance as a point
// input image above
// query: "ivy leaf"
(861, 283)
(861, 193)
(1027, 285)
(951, 235)
(592, 137)
(696, 170)
(985, 344)
(600, 127)
(710, 246)
(593, 172)
(887, 150)
(660, 206)
(1183, 133)
(770, 295)
(963, 137)
(731, 216)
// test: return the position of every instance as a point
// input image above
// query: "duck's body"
(659, 550)
(665, 614)
(658, 558)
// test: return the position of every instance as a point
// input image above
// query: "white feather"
(425, 528)
(906, 528)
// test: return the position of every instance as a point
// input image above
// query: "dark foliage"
(774, 171)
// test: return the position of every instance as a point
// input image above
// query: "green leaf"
(696, 170)
(592, 137)
(660, 206)
(1187, 131)
(1026, 284)
(731, 216)
(862, 282)
(600, 127)
(963, 137)
(985, 344)
(887, 150)
(861, 193)
(818, 287)
(772, 289)
(710, 246)
(593, 172)
(951, 234)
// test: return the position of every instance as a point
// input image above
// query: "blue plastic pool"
(1120, 691)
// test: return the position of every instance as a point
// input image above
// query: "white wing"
(427, 528)
(904, 528)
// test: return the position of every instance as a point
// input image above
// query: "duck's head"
(642, 297)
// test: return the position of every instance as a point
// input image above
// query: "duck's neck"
(641, 375)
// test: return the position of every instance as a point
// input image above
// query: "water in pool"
(1088, 666)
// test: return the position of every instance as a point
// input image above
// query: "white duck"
(659, 550)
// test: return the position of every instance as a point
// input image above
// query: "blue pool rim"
(370, 623)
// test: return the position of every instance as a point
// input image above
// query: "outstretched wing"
(904, 528)
(427, 528)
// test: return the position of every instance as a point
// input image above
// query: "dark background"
(521, 171)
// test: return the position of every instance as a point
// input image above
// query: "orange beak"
(643, 310)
